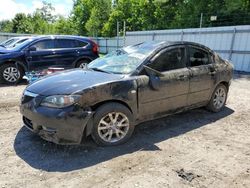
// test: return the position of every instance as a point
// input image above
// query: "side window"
(198, 57)
(80, 44)
(65, 43)
(169, 60)
(44, 45)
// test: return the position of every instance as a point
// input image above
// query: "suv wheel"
(112, 124)
(10, 74)
(218, 99)
(82, 64)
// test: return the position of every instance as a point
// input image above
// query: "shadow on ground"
(50, 157)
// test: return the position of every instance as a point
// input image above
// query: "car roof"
(61, 37)
(163, 44)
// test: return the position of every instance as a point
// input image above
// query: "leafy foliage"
(99, 17)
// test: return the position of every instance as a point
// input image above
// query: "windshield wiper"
(2, 45)
(100, 70)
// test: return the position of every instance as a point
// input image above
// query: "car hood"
(5, 50)
(71, 82)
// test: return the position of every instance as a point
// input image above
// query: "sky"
(8, 8)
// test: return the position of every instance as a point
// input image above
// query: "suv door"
(173, 84)
(68, 51)
(40, 55)
(202, 75)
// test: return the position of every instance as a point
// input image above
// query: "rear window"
(198, 57)
(80, 44)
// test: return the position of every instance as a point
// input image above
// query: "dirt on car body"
(213, 149)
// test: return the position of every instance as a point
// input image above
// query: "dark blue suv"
(41, 52)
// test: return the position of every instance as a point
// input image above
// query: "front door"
(173, 84)
(43, 55)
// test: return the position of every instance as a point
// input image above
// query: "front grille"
(27, 122)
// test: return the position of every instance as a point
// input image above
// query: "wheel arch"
(19, 63)
(80, 59)
(97, 105)
(225, 83)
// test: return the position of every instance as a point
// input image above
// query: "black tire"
(4, 79)
(211, 105)
(81, 62)
(104, 111)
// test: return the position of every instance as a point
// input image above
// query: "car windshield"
(16, 43)
(22, 45)
(8, 42)
(123, 61)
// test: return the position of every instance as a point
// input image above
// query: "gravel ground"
(191, 149)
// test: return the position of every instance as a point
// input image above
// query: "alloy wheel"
(219, 98)
(11, 74)
(113, 127)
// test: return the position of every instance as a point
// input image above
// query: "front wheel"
(10, 74)
(112, 124)
(218, 99)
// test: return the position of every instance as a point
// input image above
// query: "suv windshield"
(123, 61)
(22, 45)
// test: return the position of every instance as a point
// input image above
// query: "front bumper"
(61, 126)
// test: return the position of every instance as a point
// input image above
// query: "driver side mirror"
(32, 49)
(154, 77)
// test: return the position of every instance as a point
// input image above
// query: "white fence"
(5, 36)
(231, 43)
(107, 45)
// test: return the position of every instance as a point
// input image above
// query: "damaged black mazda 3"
(131, 85)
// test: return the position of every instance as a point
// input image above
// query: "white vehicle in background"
(14, 41)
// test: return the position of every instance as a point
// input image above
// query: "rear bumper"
(61, 126)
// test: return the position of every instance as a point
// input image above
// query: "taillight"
(95, 48)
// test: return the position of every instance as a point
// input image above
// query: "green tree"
(89, 16)
(64, 26)
(22, 23)
(46, 12)
(6, 26)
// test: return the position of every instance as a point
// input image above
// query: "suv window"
(65, 43)
(69, 43)
(44, 45)
(80, 44)
(198, 57)
(169, 60)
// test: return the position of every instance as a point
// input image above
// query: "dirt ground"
(191, 149)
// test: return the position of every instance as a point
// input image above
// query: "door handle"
(29, 58)
(182, 77)
(212, 73)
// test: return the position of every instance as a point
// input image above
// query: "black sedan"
(134, 84)
(41, 52)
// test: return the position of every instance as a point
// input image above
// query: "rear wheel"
(82, 63)
(112, 124)
(218, 99)
(10, 73)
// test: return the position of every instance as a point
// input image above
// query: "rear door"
(173, 84)
(68, 51)
(43, 57)
(202, 75)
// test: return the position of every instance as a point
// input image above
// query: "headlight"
(60, 101)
